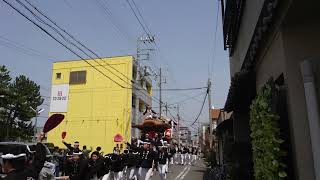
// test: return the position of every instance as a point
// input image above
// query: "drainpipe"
(313, 112)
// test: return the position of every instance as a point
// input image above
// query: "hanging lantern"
(118, 138)
(63, 134)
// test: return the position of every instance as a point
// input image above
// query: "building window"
(58, 75)
(133, 102)
(78, 77)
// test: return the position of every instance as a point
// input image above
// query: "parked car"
(19, 148)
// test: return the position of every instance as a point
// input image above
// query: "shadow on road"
(199, 170)
(206, 175)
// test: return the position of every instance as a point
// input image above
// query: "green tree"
(23, 94)
(5, 80)
(4, 83)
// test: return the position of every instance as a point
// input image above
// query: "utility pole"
(210, 114)
(178, 109)
(37, 112)
(160, 93)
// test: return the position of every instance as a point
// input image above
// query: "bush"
(265, 134)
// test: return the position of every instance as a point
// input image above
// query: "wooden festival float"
(153, 125)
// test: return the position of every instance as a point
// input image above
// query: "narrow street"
(186, 172)
(109, 89)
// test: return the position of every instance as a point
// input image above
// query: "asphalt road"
(196, 171)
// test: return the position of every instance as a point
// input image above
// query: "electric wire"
(143, 20)
(135, 14)
(200, 109)
(40, 12)
(180, 89)
(64, 45)
(83, 50)
(184, 100)
(21, 48)
(49, 34)
(108, 14)
(72, 37)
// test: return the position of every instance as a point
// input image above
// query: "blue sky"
(184, 31)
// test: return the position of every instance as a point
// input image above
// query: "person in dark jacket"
(162, 162)
(116, 166)
(75, 147)
(13, 166)
(147, 158)
(125, 162)
(172, 153)
(86, 151)
(132, 163)
(77, 167)
(95, 166)
(40, 157)
(106, 167)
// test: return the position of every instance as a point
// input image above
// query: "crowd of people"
(138, 160)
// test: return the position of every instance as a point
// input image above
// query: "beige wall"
(272, 63)
(249, 20)
(291, 45)
(301, 42)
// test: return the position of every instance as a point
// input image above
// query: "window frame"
(58, 74)
(75, 77)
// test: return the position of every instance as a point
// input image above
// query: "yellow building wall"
(98, 109)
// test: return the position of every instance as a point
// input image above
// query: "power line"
(45, 31)
(185, 100)
(143, 20)
(77, 42)
(68, 41)
(135, 14)
(180, 89)
(81, 44)
(200, 109)
(22, 51)
(64, 45)
(83, 47)
(103, 5)
(143, 24)
(20, 48)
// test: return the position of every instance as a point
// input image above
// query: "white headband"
(11, 156)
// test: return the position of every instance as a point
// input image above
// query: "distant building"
(204, 142)
(97, 109)
(185, 136)
(215, 113)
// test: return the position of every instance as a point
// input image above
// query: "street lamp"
(37, 111)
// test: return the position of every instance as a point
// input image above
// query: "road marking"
(185, 173)
(178, 177)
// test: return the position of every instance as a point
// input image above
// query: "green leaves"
(18, 96)
(266, 141)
